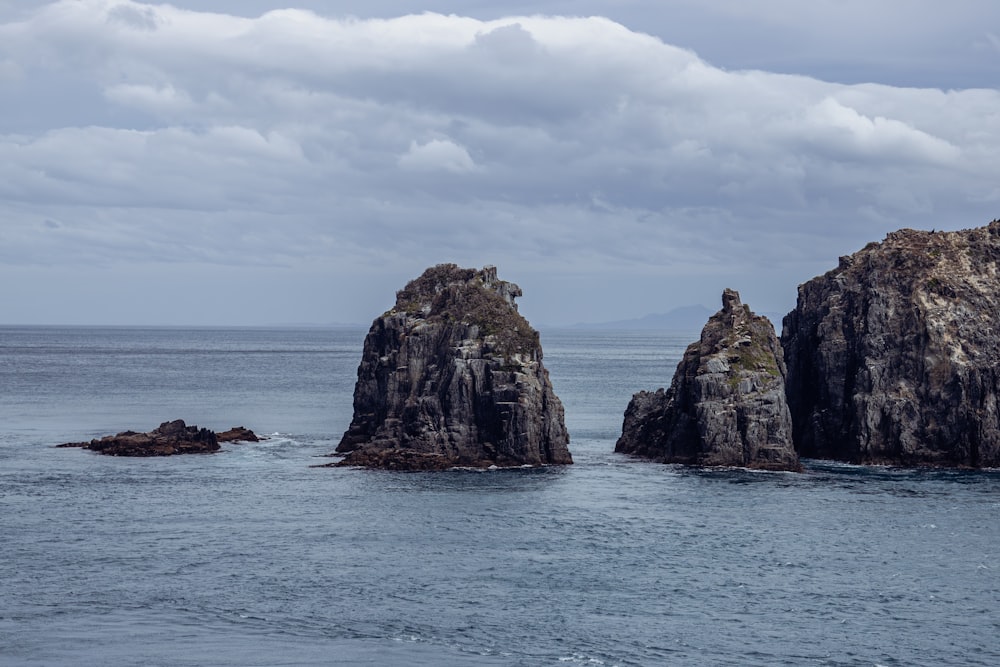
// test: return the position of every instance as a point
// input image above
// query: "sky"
(257, 162)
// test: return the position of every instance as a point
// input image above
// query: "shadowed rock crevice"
(452, 375)
(726, 404)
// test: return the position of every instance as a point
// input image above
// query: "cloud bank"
(576, 154)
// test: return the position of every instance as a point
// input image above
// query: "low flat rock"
(168, 439)
(238, 434)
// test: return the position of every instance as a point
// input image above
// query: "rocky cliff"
(452, 375)
(892, 356)
(726, 404)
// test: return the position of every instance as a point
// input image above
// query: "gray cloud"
(361, 150)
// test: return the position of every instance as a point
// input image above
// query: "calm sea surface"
(252, 557)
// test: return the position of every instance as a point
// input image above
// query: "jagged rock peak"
(731, 301)
(451, 376)
(892, 356)
(726, 404)
(448, 293)
(421, 295)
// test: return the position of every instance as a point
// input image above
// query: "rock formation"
(452, 375)
(893, 356)
(237, 434)
(167, 439)
(726, 404)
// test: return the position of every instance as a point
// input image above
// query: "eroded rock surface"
(726, 404)
(237, 434)
(167, 439)
(452, 375)
(893, 356)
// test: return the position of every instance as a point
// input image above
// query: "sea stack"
(726, 404)
(893, 356)
(452, 376)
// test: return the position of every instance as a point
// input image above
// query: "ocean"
(252, 556)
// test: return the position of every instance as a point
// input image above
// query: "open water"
(252, 557)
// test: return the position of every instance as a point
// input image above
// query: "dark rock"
(398, 459)
(726, 404)
(892, 356)
(168, 439)
(453, 376)
(237, 434)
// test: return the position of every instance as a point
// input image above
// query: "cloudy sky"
(267, 162)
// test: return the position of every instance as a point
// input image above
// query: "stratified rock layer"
(892, 356)
(726, 404)
(453, 376)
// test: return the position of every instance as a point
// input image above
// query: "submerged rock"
(452, 375)
(893, 356)
(167, 439)
(726, 404)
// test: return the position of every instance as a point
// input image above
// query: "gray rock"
(453, 376)
(726, 404)
(892, 356)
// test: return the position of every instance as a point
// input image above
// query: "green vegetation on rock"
(450, 294)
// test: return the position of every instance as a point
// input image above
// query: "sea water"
(252, 556)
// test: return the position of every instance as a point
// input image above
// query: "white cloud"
(844, 128)
(527, 141)
(133, 16)
(437, 155)
(161, 100)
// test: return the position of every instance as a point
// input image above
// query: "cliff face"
(892, 356)
(726, 404)
(453, 376)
